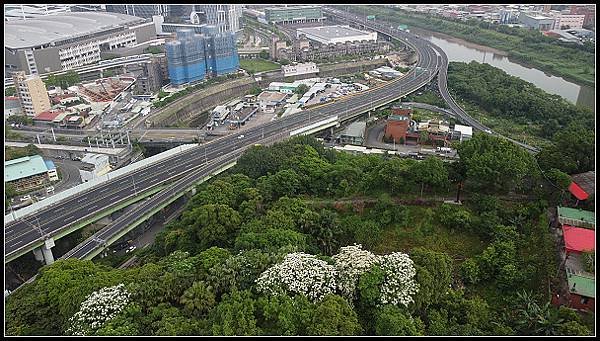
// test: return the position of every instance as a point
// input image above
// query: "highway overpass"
(30, 232)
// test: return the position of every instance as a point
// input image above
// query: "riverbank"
(528, 47)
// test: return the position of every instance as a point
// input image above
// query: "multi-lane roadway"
(30, 231)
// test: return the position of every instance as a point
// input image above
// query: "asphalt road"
(20, 234)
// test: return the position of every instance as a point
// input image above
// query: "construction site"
(105, 89)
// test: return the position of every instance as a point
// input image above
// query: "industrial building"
(63, 41)
(95, 165)
(568, 21)
(191, 57)
(29, 172)
(335, 34)
(354, 134)
(32, 93)
(299, 69)
(293, 14)
(537, 22)
(396, 127)
(269, 100)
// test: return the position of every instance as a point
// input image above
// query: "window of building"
(584, 300)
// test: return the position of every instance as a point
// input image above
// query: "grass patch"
(423, 231)
(258, 65)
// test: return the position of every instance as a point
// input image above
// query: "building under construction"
(105, 89)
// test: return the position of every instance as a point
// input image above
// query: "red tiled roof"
(47, 115)
(577, 191)
(578, 239)
(11, 98)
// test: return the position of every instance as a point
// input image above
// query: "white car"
(50, 189)
(241, 136)
(26, 197)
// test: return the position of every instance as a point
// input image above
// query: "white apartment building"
(299, 69)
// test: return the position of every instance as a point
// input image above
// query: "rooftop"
(577, 214)
(356, 129)
(329, 32)
(54, 28)
(271, 96)
(290, 8)
(48, 115)
(587, 181)
(579, 239)
(464, 130)
(581, 285)
(24, 167)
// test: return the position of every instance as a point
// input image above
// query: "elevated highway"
(30, 232)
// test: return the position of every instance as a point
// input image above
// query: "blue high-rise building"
(192, 56)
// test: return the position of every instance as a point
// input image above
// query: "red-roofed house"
(577, 191)
(578, 240)
(51, 117)
(583, 185)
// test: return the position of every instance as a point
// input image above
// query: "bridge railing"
(92, 183)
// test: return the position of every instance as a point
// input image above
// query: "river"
(459, 50)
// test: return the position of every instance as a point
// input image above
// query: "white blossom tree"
(98, 308)
(350, 263)
(399, 284)
(305, 274)
(299, 273)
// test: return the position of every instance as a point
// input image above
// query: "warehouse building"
(354, 134)
(293, 14)
(537, 22)
(191, 57)
(335, 34)
(29, 172)
(64, 41)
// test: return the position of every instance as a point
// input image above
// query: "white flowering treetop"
(350, 263)
(299, 273)
(305, 274)
(99, 307)
(399, 284)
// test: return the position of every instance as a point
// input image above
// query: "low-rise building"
(294, 14)
(242, 115)
(462, 133)
(583, 185)
(52, 118)
(397, 125)
(219, 114)
(95, 165)
(537, 22)
(12, 106)
(299, 69)
(354, 134)
(29, 172)
(269, 100)
(576, 217)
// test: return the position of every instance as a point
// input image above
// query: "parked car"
(26, 197)
(50, 189)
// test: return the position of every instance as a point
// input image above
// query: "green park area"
(299, 239)
(258, 65)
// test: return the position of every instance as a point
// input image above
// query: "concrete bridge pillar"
(37, 253)
(47, 251)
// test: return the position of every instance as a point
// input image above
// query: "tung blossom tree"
(98, 308)
(299, 273)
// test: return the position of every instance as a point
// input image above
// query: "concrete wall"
(47, 60)
(145, 32)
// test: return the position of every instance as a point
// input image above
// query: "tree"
(434, 275)
(469, 271)
(334, 316)
(494, 164)
(10, 91)
(285, 315)
(391, 320)
(199, 298)
(264, 54)
(301, 89)
(235, 315)
(430, 172)
(216, 225)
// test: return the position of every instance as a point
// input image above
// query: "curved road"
(24, 234)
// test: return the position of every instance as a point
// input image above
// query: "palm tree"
(199, 298)
(535, 320)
